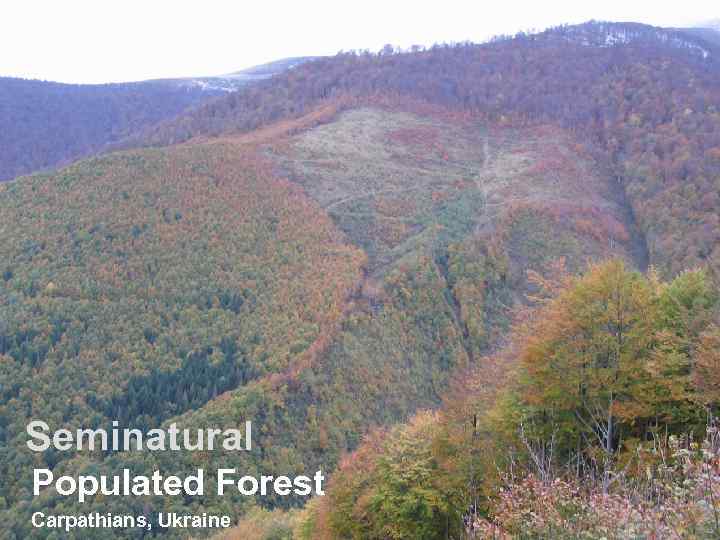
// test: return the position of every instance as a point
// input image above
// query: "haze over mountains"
(330, 247)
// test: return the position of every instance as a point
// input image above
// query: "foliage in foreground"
(677, 497)
(579, 427)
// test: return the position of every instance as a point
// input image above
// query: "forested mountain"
(521, 237)
(215, 291)
(45, 124)
(644, 99)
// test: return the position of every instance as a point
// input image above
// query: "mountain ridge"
(498, 81)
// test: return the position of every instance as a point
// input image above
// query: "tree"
(608, 361)
(706, 376)
(389, 489)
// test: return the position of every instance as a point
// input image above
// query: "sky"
(97, 41)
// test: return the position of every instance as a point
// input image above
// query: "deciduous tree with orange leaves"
(609, 361)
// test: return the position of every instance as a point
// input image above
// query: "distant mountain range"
(264, 71)
(46, 124)
(235, 80)
(709, 31)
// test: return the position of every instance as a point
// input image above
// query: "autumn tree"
(609, 361)
(706, 375)
(390, 489)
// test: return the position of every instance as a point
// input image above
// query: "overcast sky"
(93, 41)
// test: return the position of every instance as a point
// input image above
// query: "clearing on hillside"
(398, 184)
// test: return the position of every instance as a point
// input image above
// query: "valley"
(398, 252)
(439, 277)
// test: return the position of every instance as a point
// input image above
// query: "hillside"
(221, 292)
(595, 422)
(333, 250)
(642, 99)
(45, 124)
(189, 269)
